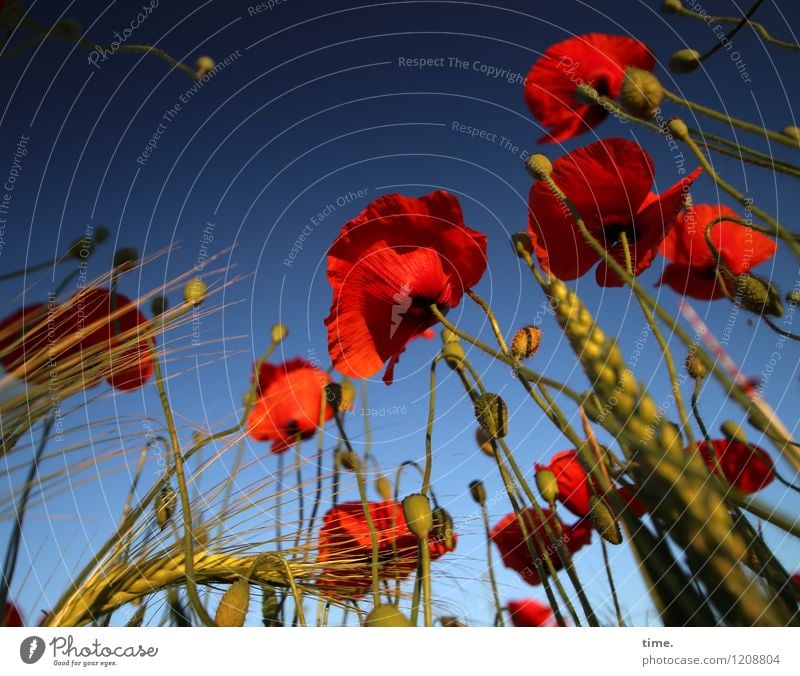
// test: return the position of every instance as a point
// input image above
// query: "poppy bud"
(793, 297)
(165, 505)
(232, 608)
(677, 127)
(604, 521)
(641, 93)
(348, 395)
(792, 132)
(195, 291)
(333, 395)
(159, 305)
(386, 616)
(417, 511)
(453, 354)
(100, 234)
(203, 66)
(126, 258)
(684, 61)
(81, 248)
(671, 6)
(585, 94)
(449, 336)
(484, 442)
(525, 342)
(384, 487)
(278, 332)
(492, 414)
(521, 243)
(347, 460)
(732, 432)
(539, 166)
(757, 295)
(443, 528)
(478, 491)
(695, 367)
(547, 484)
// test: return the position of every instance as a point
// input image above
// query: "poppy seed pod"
(484, 442)
(677, 127)
(684, 61)
(453, 354)
(695, 367)
(641, 93)
(492, 414)
(126, 258)
(525, 342)
(203, 66)
(792, 132)
(165, 505)
(449, 336)
(733, 432)
(442, 531)
(348, 394)
(386, 616)
(232, 608)
(603, 520)
(521, 243)
(478, 491)
(101, 234)
(757, 295)
(547, 484)
(195, 291)
(539, 166)
(384, 487)
(347, 460)
(671, 6)
(418, 514)
(278, 332)
(159, 305)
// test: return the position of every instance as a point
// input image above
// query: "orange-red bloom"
(745, 466)
(11, 616)
(595, 59)
(573, 484)
(345, 547)
(508, 537)
(289, 403)
(387, 267)
(609, 184)
(531, 613)
(693, 267)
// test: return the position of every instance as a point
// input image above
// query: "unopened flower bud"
(347, 460)
(384, 487)
(547, 484)
(677, 127)
(386, 616)
(793, 297)
(232, 608)
(348, 395)
(603, 520)
(586, 94)
(195, 291)
(333, 395)
(83, 247)
(442, 531)
(757, 295)
(164, 506)
(203, 66)
(418, 514)
(671, 6)
(159, 305)
(279, 332)
(732, 432)
(478, 491)
(792, 132)
(685, 61)
(492, 414)
(453, 354)
(695, 367)
(100, 234)
(126, 258)
(525, 342)
(539, 166)
(641, 93)
(484, 442)
(521, 243)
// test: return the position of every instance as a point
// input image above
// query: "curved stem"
(490, 567)
(425, 573)
(739, 25)
(426, 476)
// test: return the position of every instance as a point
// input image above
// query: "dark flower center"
(613, 231)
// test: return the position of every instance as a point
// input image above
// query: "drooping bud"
(521, 243)
(386, 616)
(348, 395)
(792, 132)
(384, 487)
(685, 61)
(547, 484)
(677, 127)
(195, 291)
(347, 460)
(232, 608)
(100, 234)
(525, 342)
(159, 305)
(333, 395)
(641, 93)
(793, 297)
(695, 367)
(492, 414)
(453, 354)
(203, 66)
(484, 442)
(539, 166)
(279, 332)
(757, 295)
(478, 491)
(733, 432)
(442, 531)
(603, 520)
(671, 6)
(418, 514)
(83, 247)
(165, 503)
(126, 258)
(585, 94)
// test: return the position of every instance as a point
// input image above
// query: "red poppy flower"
(507, 535)
(387, 267)
(531, 613)
(345, 547)
(609, 184)
(573, 485)
(11, 616)
(692, 270)
(595, 59)
(290, 396)
(745, 466)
